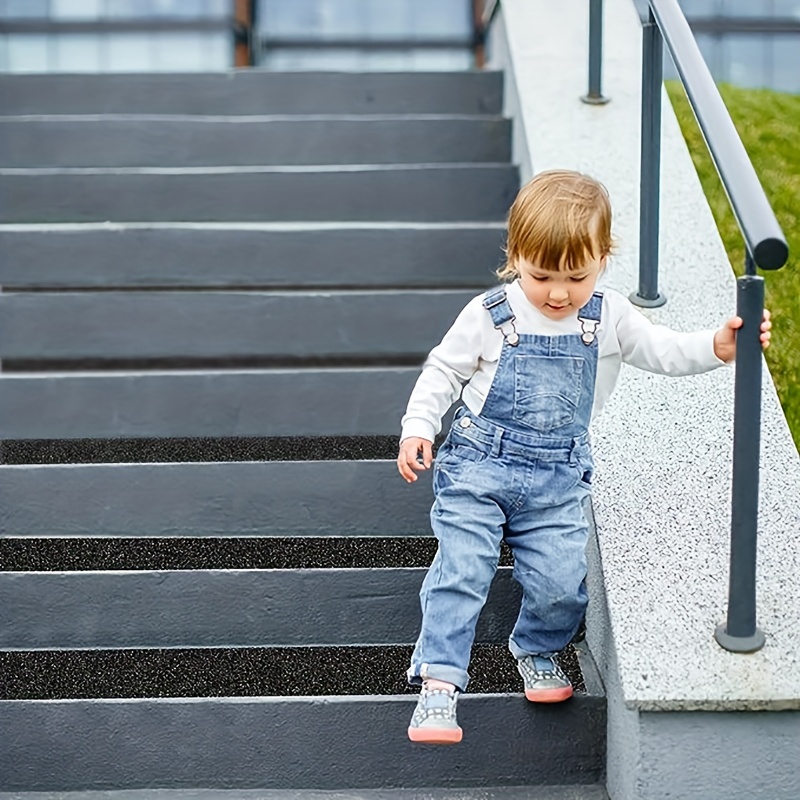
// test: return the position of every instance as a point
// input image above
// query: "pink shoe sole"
(549, 695)
(435, 736)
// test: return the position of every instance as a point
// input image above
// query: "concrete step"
(262, 255)
(328, 743)
(264, 327)
(227, 608)
(404, 193)
(256, 499)
(366, 401)
(574, 792)
(161, 141)
(253, 91)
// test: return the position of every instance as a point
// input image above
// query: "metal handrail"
(766, 248)
(762, 234)
(490, 12)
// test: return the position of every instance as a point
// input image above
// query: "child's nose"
(558, 292)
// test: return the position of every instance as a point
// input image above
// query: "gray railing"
(595, 94)
(766, 248)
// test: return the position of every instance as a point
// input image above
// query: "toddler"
(532, 361)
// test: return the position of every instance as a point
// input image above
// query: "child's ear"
(603, 263)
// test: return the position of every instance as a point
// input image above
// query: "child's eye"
(578, 280)
(540, 278)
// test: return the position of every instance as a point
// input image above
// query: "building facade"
(750, 43)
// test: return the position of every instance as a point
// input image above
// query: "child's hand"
(409, 452)
(725, 337)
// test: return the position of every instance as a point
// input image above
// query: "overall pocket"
(547, 390)
(453, 460)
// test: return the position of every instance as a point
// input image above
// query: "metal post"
(595, 95)
(739, 633)
(648, 295)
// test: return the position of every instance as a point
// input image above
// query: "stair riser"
(232, 499)
(194, 450)
(400, 194)
(351, 671)
(207, 257)
(323, 743)
(355, 325)
(269, 403)
(193, 143)
(91, 554)
(253, 92)
(226, 608)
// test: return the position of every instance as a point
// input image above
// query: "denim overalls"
(519, 470)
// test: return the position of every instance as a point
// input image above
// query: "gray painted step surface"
(252, 91)
(580, 792)
(274, 255)
(366, 325)
(227, 608)
(401, 193)
(294, 743)
(191, 142)
(312, 402)
(326, 498)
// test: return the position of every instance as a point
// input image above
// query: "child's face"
(559, 294)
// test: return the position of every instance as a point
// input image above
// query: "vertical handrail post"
(648, 295)
(739, 633)
(595, 94)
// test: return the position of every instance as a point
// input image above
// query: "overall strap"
(589, 318)
(496, 303)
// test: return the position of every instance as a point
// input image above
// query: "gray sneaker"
(545, 681)
(434, 720)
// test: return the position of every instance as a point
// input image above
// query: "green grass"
(768, 123)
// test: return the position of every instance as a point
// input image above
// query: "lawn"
(768, 123)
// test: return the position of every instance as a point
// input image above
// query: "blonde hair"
(558, 221)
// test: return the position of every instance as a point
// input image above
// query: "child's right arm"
(448, 367)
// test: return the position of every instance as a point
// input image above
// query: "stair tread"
(294, 743)
(443, 192)
(254, 91)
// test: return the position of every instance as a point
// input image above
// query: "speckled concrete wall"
(686, 718)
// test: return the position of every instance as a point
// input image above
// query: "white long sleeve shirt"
(464, 363)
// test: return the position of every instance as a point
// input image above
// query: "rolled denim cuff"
(438, 672)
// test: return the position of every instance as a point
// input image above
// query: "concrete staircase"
(217, 291)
